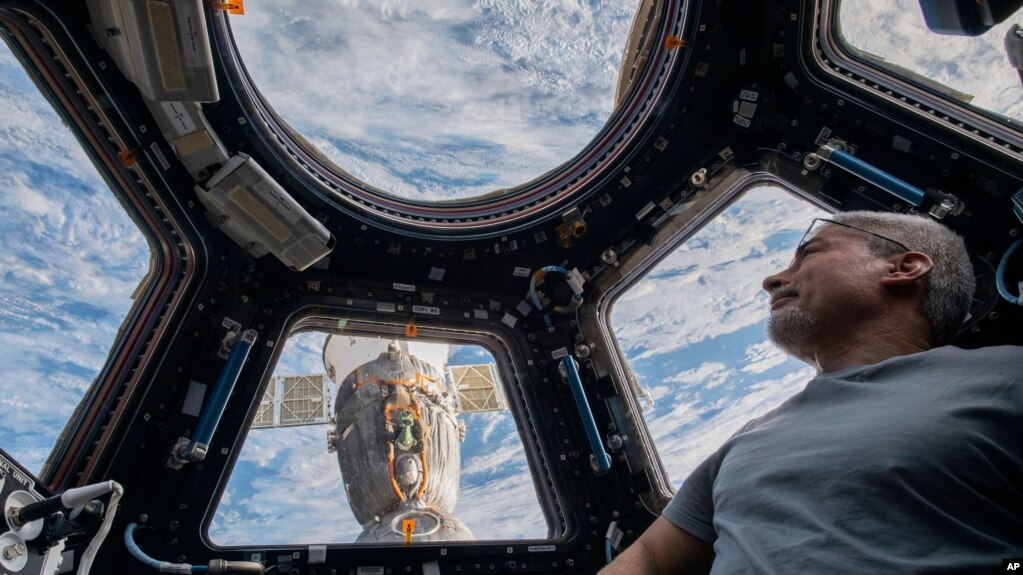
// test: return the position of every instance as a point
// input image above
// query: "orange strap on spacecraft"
(390, 466)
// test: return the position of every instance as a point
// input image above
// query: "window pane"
(976, 69)
(395, 418)
(439, 100)
(72, 258)
(702, 356)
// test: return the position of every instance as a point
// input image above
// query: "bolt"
(811, 161)
(16, 550)
(615, 442)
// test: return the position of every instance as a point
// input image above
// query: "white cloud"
(977, 66)
(434, 102)
(715, 278)
(708, 375)
(681, 453)
(762, 356)
(72, 258)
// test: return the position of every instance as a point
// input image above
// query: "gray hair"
(949, 286)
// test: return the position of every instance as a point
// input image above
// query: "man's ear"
(906, 268)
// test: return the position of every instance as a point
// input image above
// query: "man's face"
(832, 283)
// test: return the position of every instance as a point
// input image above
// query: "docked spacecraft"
(397, 435)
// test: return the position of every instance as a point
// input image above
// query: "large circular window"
(439, 101)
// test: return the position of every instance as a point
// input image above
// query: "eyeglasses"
(816, 223)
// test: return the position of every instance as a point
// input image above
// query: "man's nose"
(774, 281)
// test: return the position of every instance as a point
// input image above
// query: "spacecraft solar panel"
(478, 388)
(292, 400)
(265, 414)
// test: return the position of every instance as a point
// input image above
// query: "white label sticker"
(384, 306)
(744, 122)
(521, 272)
(426, 309)
(749, 95)
(541, 548)
(193, 399)
(480, 314)
(509, 319)
(646, 210)
(159, 156)
(436, 274)
(559, 353)
(363, 570)
(405, 287)
(524, 307)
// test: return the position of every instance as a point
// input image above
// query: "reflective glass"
(694, 329)
(438, 100)
(973, 70)
(72, 258)
(394, 429)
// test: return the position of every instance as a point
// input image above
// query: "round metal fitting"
(811, 161)
(699, 177)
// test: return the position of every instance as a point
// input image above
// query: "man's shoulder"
(1001, 364)
(991, 353)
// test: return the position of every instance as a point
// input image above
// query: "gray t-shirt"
(910, 465)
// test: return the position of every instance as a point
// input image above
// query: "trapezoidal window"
(438, 101)
(892, 35)
(693, 329)
(357, 436)
(71, 261)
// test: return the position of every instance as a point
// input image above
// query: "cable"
(161, 566)
(574, 281)
(104, 529)
(609, 537)
(1003, 290)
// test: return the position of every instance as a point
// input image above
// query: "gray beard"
(792, 330)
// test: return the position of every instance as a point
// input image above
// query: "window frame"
(514, 376)
(596, 314)
(846, 66)
(41, 45)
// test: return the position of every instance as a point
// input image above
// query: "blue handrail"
(601, 462)
(225, 385)
(880, 178)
